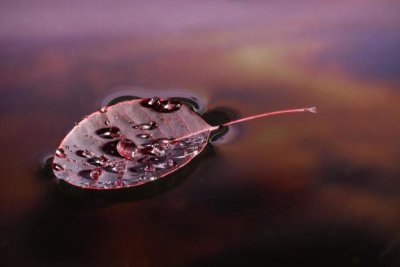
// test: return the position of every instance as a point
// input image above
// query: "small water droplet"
(98, 161)
(85, 154)
(96, 173)
(151, 102)
(167, 106)
(147, 177)
(66, 147)
(109, 133)
(168, 163)
(119, 167)
(150, 168)
(158, 151)
(103, 110)
(191, 151)
(57, 167)
(146, 126)
(143, 136)
(126, 148)
(164, 141)
(118, 183)
(61, 153)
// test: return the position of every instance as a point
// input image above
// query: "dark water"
(303, 189)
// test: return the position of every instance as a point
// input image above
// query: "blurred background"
(321, 190)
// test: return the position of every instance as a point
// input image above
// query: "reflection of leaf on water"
(135, 142)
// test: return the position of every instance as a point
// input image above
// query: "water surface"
(322, 190)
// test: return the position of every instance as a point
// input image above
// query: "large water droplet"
(57, 167)
(126, 148)
(61, 153)
(109, 133)
(96, 173)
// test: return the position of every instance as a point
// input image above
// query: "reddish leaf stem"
(211, 128)
(313, 110)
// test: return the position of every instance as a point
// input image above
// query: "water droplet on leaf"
(119, 167)
(167, 106)
(57, 167)
(151, 102)
(109, 133)
(143, 136)
(126, 148)
(96, 173)
(146, 126)
(61, 153)
(85, 154)
(98, 161)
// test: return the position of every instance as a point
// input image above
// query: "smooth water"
(303, 189)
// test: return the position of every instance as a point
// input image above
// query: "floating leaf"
(134, 142)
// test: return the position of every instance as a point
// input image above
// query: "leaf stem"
(312, 110)
(268, 114)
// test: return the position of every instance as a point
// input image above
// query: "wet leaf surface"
(130, 144)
